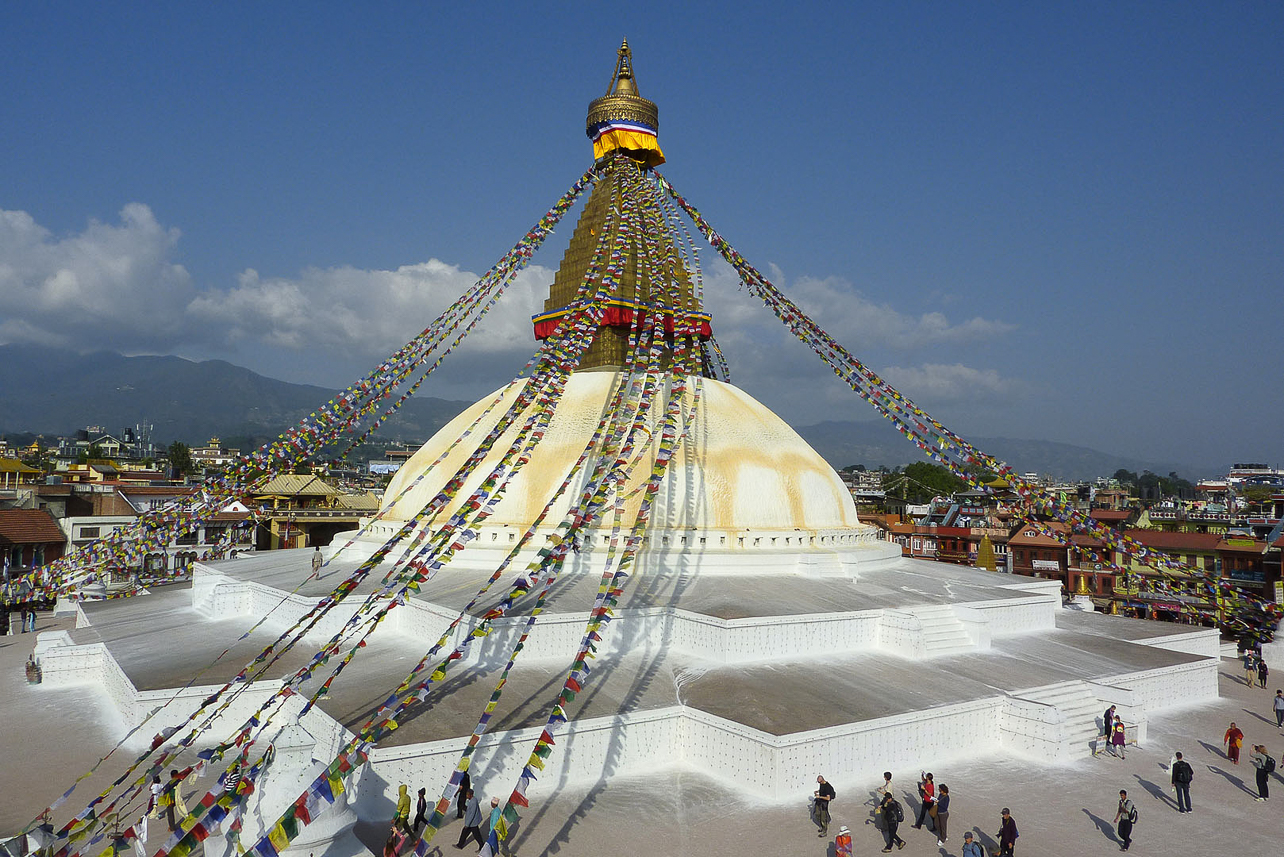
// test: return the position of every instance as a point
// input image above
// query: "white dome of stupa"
(739, 468)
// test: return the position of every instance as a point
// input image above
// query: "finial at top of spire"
(623, 119)
(622, 82)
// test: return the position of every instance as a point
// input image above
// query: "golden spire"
(623, 119)
(654, 277)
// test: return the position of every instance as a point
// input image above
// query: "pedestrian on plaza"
(927, 800)
(472, 823)
(401, 818)
(171, 799)
(496, 812)
(1265, 766)
(1250, 668)
(822, 796)
(156, 789)
(1182, 774)
(1007, 835)
(1108, 723)
(232, 779)
(893, 815)
(461, 797)
(970, 847)
(316, 561)
(886, 787)
(1232, 741)
(1118, 737)
(1126, 817)
(843, 842)
(1278, 705)
(421, 811)
(942, 813)
(1262, 673)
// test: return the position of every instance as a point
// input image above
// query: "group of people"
(1255, 669)
(1115, 734)
(1260, 758)
(467, 807)
(934, 812)
(19, 618)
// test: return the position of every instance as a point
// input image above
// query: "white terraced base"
(943, 633)
(1068, 730)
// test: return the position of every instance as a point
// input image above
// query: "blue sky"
(1040, 220)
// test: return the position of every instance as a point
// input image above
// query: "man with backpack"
(1183, 773)
(1265, 766)
(1126, 817)
(821, 798)
(1007, 834)
(893, 815)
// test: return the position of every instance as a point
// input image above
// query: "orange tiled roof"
(29, 526)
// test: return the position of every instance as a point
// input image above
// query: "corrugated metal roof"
(297, 485)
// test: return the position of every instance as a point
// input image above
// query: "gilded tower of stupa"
(622, 121)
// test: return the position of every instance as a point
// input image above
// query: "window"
(89, 532)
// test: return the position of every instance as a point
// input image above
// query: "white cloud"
(948, 382)
(111, 286)
(363, 312)
(117, 286)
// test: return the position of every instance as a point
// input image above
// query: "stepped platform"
(759, 677)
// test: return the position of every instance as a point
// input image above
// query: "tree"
(180, 458)
(1256, 496)
(921, 481)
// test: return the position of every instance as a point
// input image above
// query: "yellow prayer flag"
(278, 838)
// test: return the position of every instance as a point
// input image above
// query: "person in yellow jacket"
(401, 820)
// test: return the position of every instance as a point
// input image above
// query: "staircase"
(942, 632)
(1078, 707)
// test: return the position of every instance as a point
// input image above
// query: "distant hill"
(55, 392)
(875, 443)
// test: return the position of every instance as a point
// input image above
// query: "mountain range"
(55, 392)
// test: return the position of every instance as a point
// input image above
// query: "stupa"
(766, 634)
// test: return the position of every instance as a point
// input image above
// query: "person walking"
(1125, 818)
(893, 815)
(942, 814)
(823, 795)
(1183, 773)
(1232, 741)
(970, 847)
(496, 812)
(1118, 737)
(421, 812)
(1262, 673)
(1264, 765)
(1250, 668)
(472, 823)
(461, 797)
(401, 818)
(927, 800)
(1007, 834)
(1278, 705)
(886, 787)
